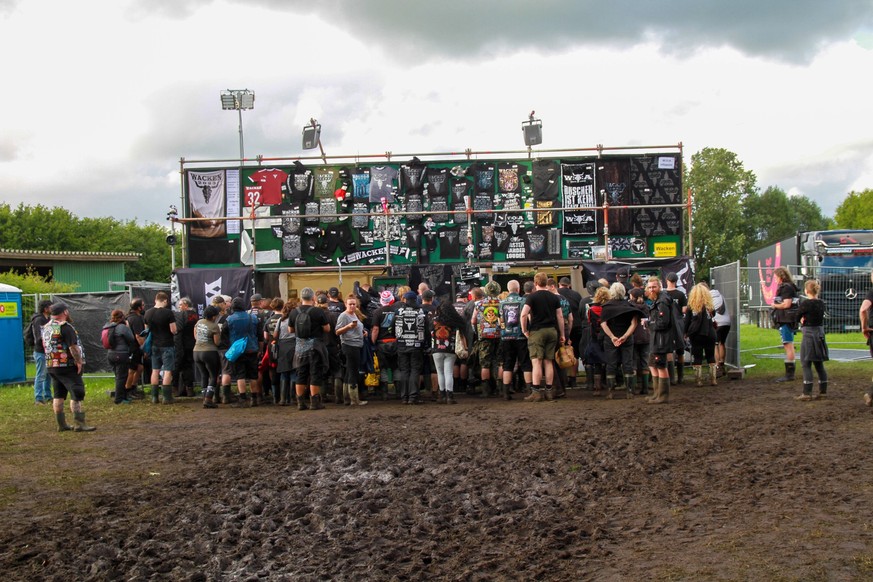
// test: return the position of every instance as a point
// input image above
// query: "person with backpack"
(309, 324)
(42, 384)
(119, 342)
(65, 361)
(785, 305)
(384, 340)
(700, 330)
(513, 342)
(245, 327)
(486, 320)
(662, 330)
(722, 319)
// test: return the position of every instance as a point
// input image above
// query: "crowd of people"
(630, 337)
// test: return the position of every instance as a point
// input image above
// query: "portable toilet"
(11, 344)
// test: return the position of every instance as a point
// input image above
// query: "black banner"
(579, 192)
(682, 266)
(201, 285)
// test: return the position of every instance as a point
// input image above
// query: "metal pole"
(242, 155)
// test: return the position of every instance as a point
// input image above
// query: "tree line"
(38, 228)
(733, 217)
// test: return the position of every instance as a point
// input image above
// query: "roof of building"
(68, 255)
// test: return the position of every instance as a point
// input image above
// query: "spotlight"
(533, 130)
(312, 135)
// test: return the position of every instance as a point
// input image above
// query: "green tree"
(856, 210)
(32, 283)
(39, 228)
(772, 216)
(720, 185)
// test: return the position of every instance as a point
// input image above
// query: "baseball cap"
(58, 308)
(623, 273)
(564, 281)
(256, 297)
(386, 298)
(672, 277)
(410, 296)
(333, 292)
(321, 299)
(428, 295)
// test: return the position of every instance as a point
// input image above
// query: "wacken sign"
(373, 256)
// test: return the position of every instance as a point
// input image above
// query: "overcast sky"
(101, 98)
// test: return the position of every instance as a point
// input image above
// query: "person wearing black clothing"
(641, 339)
(785, 306)
(384, 340)
(575, 300)
(119, 355)
(161, 323)
(42, 384)
(700, 330)
(662, 329)
(413, 339)
(676, 359)
(207, 336)
(813, 347)
(186, 320)
(310, 354)
(65, 361)
(334, 350)
(138, 359)
(618, 321)
(595, 357)
(542, 322)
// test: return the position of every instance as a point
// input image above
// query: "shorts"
(542, 343)
(226, 369)
(164, 359)
(515, 351)
(721, 334)
(310, 369)
(245, 367)
(65, 381)
(487, 351)
(657, 360)
(786, 331)
(135, 359)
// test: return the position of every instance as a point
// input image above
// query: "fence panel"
(727, 279)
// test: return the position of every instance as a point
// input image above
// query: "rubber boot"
(720, 369)
(450, 397)
(713, 374)
(347, 394)
(225, 394)
(315, 403)
(283, 392)
(698, 375)
(506, 392)
(167, 392)
(301, 402)
(256, 399)
(662, 391)
(680, 371)
(242, 401)
(536, 395)
(208, 401)
(80, 423)
(789, 372)
(156, 394)
(671, 371)
(355, 394)
(443, 397)
(62, 422)
(807, 392)
(610, 386)
(656, 389)
(338, 391)
(644, 382)
(598, 385)
(631, 385)
(822, 389)
(589, 378)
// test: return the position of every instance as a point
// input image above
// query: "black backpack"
(28, 334)
(303, 323)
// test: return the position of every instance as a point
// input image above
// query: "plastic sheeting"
(89, 312)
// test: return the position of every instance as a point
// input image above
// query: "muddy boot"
(301, 402)
(807, 392)
(347, 394)
(662, 391)
(450, 397)
(242, 401)
(283, 392)
(383, 390)
(631, 385)
(355, 394)
(822, 389)
(671, 371)
(225, 394)
(338, 391)
(589, 378)
(506, 392)
(656, 389)
(156, 394)
(598, 385)
(789, 373)
(62, 422)
(680, 371)
(549, 393)
(167, 392)
(644, 382)
(536, 395)
(256, 399)
(713, 374)
(80, 423)
(610, 386)
(720, 369)
(698, 376)
(443, 399)
(315, 402)
(208, 398)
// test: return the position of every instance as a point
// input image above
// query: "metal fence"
(727, 280)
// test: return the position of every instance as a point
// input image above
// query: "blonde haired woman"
(701, 332)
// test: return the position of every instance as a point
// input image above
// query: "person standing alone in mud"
(65, 361)
(813, 347)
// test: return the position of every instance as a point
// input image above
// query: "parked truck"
(840, 259)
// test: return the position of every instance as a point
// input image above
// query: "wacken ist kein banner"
(201, 285)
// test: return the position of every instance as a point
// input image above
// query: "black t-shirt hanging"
(450, 242)
(438, 207)
(437, 182)
(537, 240)
(460, 188)
(501, 239)
(483, 202)
(483, 176)
(299, 185)
(517, 247)
(359, 219)
(546, 175)
(509, 177)
(414, 203)
(412, 177)
(312, 211)
(290, 218)
(413, 239)
(361, 184)
(486, 242)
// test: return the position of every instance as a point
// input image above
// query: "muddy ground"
(737, 482)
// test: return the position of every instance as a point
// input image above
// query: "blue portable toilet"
(11, 344)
